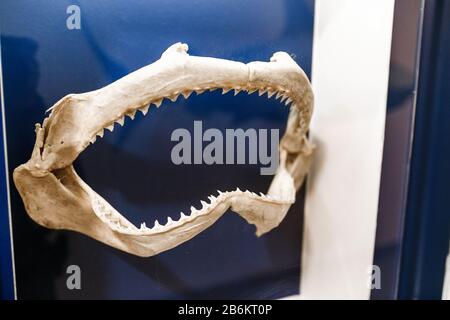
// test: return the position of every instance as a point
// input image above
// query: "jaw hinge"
(38, 149)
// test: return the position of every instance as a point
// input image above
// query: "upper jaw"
(64, 201)
(174, 74)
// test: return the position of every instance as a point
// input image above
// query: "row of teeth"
(283, 95)
(117, 223)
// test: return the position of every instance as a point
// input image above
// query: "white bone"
(101, 133)
(144, 109)
(279, 95)
(156, 225)
(157, 103)
(132, 114)
(186, 94)
(121, 121)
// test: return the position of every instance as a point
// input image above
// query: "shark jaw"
(56, 197)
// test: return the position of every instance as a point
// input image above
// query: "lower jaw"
(264, 211)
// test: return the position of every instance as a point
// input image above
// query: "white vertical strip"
(350, 73)
(2, 102)
(446, 286)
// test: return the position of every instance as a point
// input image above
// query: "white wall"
(446, 287)
(351, 52)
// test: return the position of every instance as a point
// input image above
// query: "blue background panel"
(6, 265)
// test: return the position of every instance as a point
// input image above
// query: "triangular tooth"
(248, 192)
(121, 121)
(225, 90)
(236, 91)
(93, 139)
(182, 216)
(262, 195)
(101, 133)
(261, 92)
(132, 114)
(212, 198)
(143, 226)
(250, 91)
(110, 127)
(186, 94)
(289, 100)
(284, 98)
(270, 94)
(237, 189)
(199, 91)
(169, 221)
(279, 94)
(174, 97)
(156, 225)
(204, 204)
(193, 209)
(144, 109)
(212, 89)
(157, 103)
